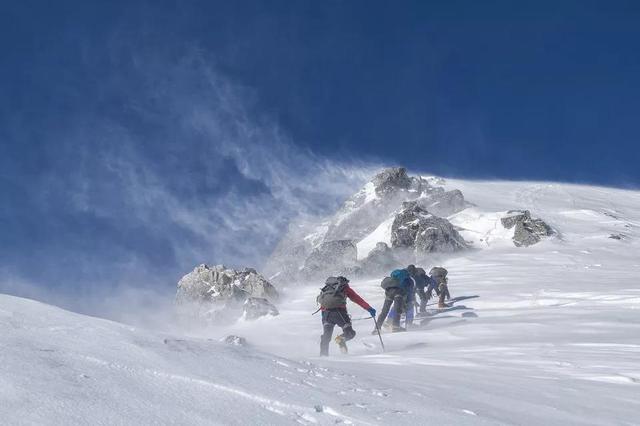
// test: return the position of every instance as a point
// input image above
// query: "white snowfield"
(550, 335)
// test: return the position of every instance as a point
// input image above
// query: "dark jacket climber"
(398, 291)
(424, 285)
(333, 304)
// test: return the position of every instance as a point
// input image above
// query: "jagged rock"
(256, 307)
(217, 294)
(219, 283)
(234, 340)
(528, 230)
(358, 217)
(416, 228)
(390, 180)
(249, 280)
(331, 257)
(514, 217)
(365, 210)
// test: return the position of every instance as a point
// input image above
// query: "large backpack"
(420, 277)
(401, 275)
(389, 282)
(333, 294)
(438, 273)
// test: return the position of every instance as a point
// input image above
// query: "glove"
(372, 312)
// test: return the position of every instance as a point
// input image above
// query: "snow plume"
(168, 165)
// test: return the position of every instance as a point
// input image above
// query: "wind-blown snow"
(550, 339)
(483, 229)
(370, 192)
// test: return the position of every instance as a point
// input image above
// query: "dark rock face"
(416, 228)
(218, 294)
(528, 230)
(338, 256)
(392, 179)
(256, 307)
(234, 340)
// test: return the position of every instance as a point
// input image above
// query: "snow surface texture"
(550, 339)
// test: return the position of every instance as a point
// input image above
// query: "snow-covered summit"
(376, 214)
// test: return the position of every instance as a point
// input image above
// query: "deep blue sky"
(111, 110)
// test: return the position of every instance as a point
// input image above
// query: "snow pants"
(443, 292)
(424, 298)
(331, 318)
(396, 297)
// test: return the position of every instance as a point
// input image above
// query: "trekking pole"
(378, 330)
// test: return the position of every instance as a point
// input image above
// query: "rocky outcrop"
(302, 252)
(365, 210)
(234, 340)
(528, 230)
(416, 228)
(391, 180)
(256, 307)
(218, 294)
(332, 256)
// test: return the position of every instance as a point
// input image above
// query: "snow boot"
(342, 344)
(397, 329)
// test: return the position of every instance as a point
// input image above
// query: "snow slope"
(58, 367)
(552, 338)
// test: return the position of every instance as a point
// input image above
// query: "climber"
(333, 304)
(398, 291)
(424, 285)
(441, 284)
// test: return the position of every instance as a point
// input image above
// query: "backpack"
(389, 282)
(438, 273)
(401, 275)
(420, 278)
(333, 294)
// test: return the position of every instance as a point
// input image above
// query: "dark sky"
(133, 132)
